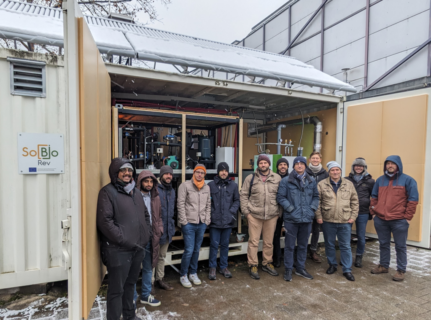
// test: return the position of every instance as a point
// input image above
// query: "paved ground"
(325, 297)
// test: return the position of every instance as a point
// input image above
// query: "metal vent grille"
(27, 78)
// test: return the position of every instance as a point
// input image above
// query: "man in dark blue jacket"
(299, 198)
(224, 208)
(167, 200)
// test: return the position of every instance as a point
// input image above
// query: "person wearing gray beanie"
(364, 184)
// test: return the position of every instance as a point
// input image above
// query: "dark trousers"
(361, 226)
(298, 233)
(315, 233)
(219, 237)
(400, 230)
(276, 256)
(123, 270)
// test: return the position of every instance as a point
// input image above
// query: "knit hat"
(263, 157)
(127, 165)
(166, 169)
(359, 162)
(299, 159)
(200, 166)
(332, 164)
(222, 166)
(281, 160)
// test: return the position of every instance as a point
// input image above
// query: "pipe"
(279, 127)
(317, 133)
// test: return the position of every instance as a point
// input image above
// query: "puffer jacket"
(337, 207)
(298, 203)
(394, 197)
(363, 188)
(156, 214)
(122, 218)
(193, 205)
(167, 199)
(262, 203)
(224, 203)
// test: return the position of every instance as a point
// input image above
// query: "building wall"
(396, 28)
(31, 206)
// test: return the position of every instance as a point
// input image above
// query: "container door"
(386, 127)
(95, 134)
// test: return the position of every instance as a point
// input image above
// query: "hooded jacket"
(363, 187)
(122, 218)
(224, 202)
(262, 202)
(394, 197)
(321, 175)
(167, 199)
(299, 203)
(156, 214)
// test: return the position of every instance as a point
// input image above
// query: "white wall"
(31, 206)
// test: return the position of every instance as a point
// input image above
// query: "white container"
(226, 154)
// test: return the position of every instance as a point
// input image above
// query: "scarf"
(390, 174)
(301, 178)
(167, 185)
(358, 177)
(129, 187)
(198, 184)
(315, 169)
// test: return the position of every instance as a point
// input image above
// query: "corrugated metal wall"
(396, 28)
(31, 206)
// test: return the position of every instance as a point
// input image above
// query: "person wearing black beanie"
(283, 167)
(224, 213)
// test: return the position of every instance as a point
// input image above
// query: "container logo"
(43, 152)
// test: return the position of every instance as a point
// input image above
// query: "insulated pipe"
(279, 127)
(317, 133)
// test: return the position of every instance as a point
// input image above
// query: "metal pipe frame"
(429, 47)
(322, 41)
(367, 42)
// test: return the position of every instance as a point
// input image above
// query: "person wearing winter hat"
(340, 209)
(194, 215)
(298, 197)
(364, 184)
(224, 212)
(257, 198)
(283, 171)
(167, 199)
(316, 171)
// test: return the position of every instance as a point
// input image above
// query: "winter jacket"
(167, 199)
(262, 203)
(156, 215)
(193, 205)
(224, 203)
(394, 198)
(299, 203)
(321, 175)
(122, 218)
(337, 207)
(363, 188)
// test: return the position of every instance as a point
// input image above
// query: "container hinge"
(65, 239)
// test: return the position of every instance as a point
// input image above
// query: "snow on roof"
(43, 25)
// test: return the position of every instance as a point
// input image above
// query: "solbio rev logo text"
(42, 153)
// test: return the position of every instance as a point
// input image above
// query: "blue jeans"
(400, 230)
(193, 235)
(296, 233)
(343, 232)
(219, 237)
(147, 273)
(361, 225)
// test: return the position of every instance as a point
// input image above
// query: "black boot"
(358, 262)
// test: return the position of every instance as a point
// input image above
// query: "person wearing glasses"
(123, 224)
(194, 215)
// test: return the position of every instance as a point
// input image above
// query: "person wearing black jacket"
(316, 171)
(364, 184)
(283, 171)
(123, 223)
(224, 208)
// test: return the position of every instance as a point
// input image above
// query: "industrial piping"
(280, 126)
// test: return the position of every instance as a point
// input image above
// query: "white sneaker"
(185, 282)
(194, 278)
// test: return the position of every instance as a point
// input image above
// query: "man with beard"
(147, 184)
(316, 171)
(224, 208)
(122, 222)
(283, 171)
(259, 205)
(167, 199)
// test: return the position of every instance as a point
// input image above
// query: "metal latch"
(66, 225)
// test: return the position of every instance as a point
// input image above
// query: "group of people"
(136, 223)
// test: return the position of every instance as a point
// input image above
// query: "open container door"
(95, 125)
(396, 124)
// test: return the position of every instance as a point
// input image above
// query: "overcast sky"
(219, 20)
